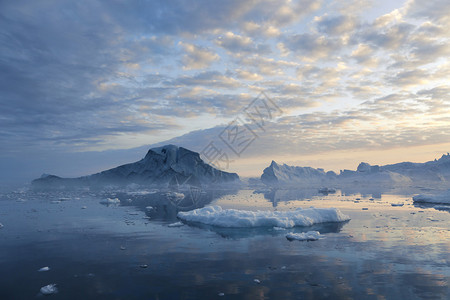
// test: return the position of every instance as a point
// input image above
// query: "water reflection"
(164, 205)
(238, 233)
(436, 206)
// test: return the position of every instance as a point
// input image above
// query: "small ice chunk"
(304, 236)
(144, 266)
(177, 224)
(149, 208)
(49, 289)
(44, 269)
(175, 196)
(278, 228)
(83, 207)
(1, 225)
(110, 201)
(257, 281)
(397, 204)
(221, 294)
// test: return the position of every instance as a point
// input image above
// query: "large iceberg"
(169, 165)
(233, 218)
(401, 174)
(442, 198)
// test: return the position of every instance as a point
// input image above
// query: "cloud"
(197, 57)
(336, 25)
(311, 47)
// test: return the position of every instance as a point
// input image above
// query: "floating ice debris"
(257, 281)
(216, 216)
(221, 294)
(442, 198)
(122, 248)
(326, 190)
(49, 289)
(44, 269)
(110, 201)
(278, 228)
(283, 268)
(304, 236)
(149, 208)
(397, 204)
(142, 193)
(1, 225)
(175, 196)
(177, 224)
(83, 207)
(143, 266)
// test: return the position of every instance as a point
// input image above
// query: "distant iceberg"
(442, 198)
(233, 218)
(400, 174)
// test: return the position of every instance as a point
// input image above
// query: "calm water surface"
(126, 251)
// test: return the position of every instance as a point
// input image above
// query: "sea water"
(133, 250)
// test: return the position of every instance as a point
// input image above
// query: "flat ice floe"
(443, 198)
(110, 201)
(216, 216)
(49, 289)
(303, 236)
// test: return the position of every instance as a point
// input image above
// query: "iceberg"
(442, 198)
(168, 165)
(401, 174)
(233, 218)
(303, 236)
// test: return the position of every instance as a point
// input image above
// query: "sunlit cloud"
(101, 75)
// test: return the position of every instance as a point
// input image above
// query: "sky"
(88, 85)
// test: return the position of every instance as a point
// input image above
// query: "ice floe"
(177, 224)
(110, 201)
(442, 198)
(44, 269)
(303, 236)
(216, 216)
(49, 289)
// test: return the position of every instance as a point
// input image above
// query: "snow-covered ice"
(304, 236)
(110, 201)
(177, 224)
(44, 269)
(216, 216)
(49, 289)
(443, 198)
